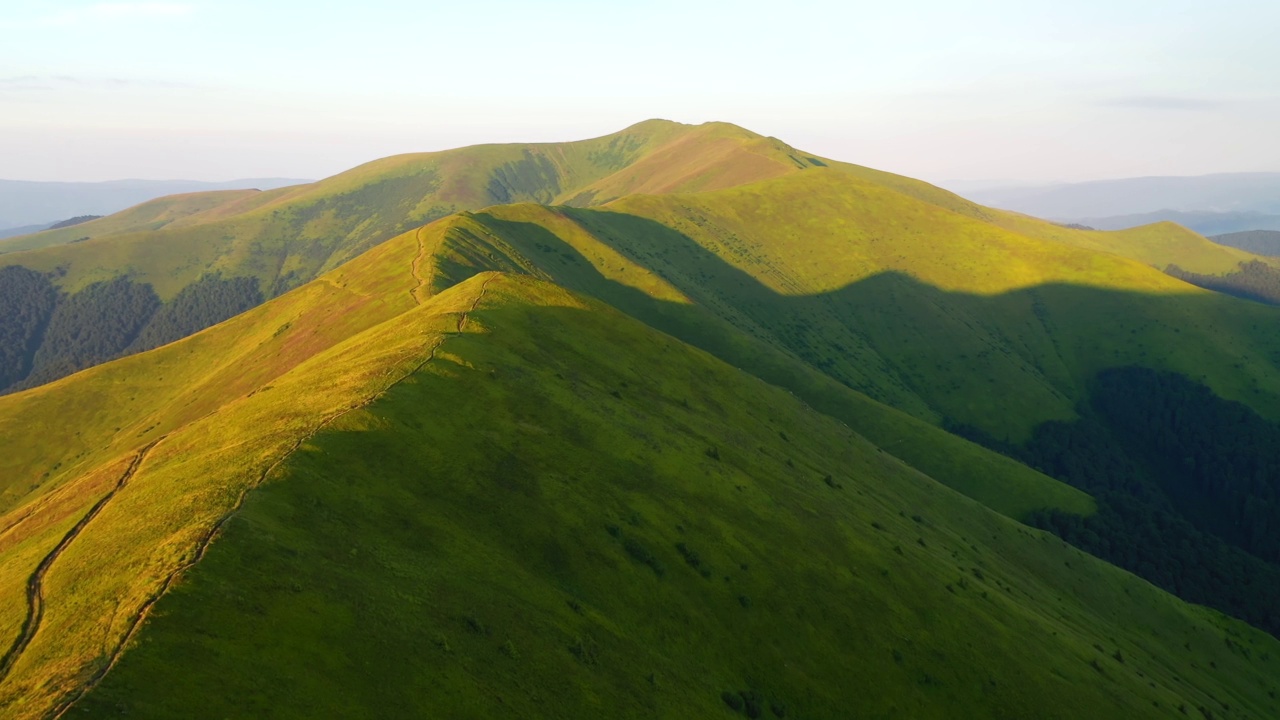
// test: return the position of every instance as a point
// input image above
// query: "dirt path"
(415, 268)
(35, 583)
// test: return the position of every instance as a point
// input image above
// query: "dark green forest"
(202, 304)
(1186, 485)
(1255, 280)
(46, 334)
(27, 299)
(90, 327)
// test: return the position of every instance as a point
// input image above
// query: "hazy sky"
(1026, 90)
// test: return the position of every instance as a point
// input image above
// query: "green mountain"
(674, 437)
(229, 250)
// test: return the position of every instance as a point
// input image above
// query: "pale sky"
(941, 90)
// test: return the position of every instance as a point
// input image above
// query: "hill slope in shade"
(1262, 242)
(943, 316)
(591, 536)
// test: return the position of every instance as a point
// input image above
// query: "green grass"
(927, 309)
(525, 553)
(288, 236)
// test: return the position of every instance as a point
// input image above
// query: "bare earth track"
(35, 583)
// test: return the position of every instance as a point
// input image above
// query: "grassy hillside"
(75, 439)
(187, 208)
(260, 244)
(943, 316)
(607, 522)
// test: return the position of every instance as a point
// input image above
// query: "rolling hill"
(24, 203)
(659, 423)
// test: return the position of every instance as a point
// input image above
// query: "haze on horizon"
(1024, 91)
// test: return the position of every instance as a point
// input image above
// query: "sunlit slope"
(82, 561)
(947, 317)
(568, 514)
(1158, 245)
(169, 211)
(288, 236)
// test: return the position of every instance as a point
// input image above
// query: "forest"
(1186, 485)
(1255, 280)
(46, 334)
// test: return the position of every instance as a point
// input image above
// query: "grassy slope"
(74, 437)
(162, 212)
(1157, 245)
(927, 309)
(221, 434)
(553, 245)
(475, 562)
(288, 236)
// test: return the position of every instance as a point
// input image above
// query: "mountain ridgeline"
(677, 422)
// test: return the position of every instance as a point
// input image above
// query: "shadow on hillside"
(1003, 363)
(1009, 367)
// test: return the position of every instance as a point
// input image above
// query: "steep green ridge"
(607, 522)
(550, 243)
(945, 317)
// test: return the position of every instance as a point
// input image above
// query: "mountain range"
(1208, 204)
(680, 421)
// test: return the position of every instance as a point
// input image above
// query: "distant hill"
(26, 203)
(77, 220)
(1205, 223)
(1262, 242)
(22, 230)
(1221, 193)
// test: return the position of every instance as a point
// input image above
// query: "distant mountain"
(1221, 193)
(22, 230)
(1205, 223)
(24, 203)
(1262, 242)
(71, 222)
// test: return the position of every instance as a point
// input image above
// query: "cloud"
(1163, 102)
(105, 12)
